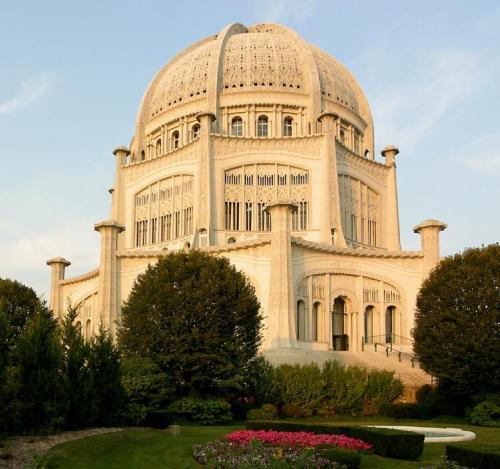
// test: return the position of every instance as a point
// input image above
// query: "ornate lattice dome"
(264, 63)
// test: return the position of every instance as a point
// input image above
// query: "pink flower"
(305, 439)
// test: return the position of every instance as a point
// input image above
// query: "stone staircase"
(412, 377)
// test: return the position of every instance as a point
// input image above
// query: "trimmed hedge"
(401, 410)
(386, 442)
(476, 456)
(345, 457)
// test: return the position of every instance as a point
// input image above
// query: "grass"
(147, 448)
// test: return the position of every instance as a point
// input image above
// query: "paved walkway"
(18, 452)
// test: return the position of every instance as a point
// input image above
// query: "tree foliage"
(457, 323)
(38, 359)
(198, 319)
(18, 303)
(76, 372)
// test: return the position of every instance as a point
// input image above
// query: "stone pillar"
(206, 203)
(429, 235)
(330, 206)
(392, 241)
(58, 266)
(121, 153)
(108, 275)
(282, 328)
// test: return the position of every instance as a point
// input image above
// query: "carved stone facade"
(254, 145)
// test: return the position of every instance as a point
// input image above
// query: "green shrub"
(265, 412)
(299, 385)
(386, 442)
(486, 413)
(349, 459)
(474, 455)
(204, 411)
(382, 388)
(147, 388)
(407, 411)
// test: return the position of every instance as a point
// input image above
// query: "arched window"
(390, 316)
(231, 240)
(301, 320)
(88, 330)
(175, 139)
(195, 131)
(262, 126)
(143, 155)
(368, 319)
(237, 126)
(158, 147)
(314, 321)
(367, 153)
(287, 127)
(79, 326)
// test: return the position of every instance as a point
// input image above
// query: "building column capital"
(111, 225)
(58, 260)
(389, 153)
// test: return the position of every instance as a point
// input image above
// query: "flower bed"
(260, 449)
(301, 439)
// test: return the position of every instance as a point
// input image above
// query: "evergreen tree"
(108, 396)
(38, 359)
(76, 373)
(198, 319)
(457, 323)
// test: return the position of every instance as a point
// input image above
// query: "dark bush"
(407, 411)
(158, 418)
(265, 412)
(345, 457)
(474, 455)
(386, 442)
(293, 411)
(486, 413)
(204, 411)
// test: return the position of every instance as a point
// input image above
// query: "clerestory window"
(262, 126)
(237, 126)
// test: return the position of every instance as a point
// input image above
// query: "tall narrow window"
(195, 131)
(301, 320)
(314, 321)
(158, 147)
(262, 126)
(175, 139)
(369, 325)
(390, 316)
(248, 215)
(287, 127)
(237, 126)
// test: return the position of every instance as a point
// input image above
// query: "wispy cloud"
(31, 90)
(482, 155)
(284, 11)
(407, 111)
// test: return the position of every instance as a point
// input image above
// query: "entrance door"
(340, 339)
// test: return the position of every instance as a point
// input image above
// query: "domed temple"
(255, 145)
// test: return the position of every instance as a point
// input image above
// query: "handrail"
(400, 354)
(393, 338)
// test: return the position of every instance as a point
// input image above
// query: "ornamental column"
(429, 234)
(393, 242)
(329, 215)
(58, 267)
(108, 275)
(206, 203)
(282, 331)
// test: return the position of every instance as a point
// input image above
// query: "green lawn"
(147, 448)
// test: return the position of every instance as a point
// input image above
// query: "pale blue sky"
(72, 75)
